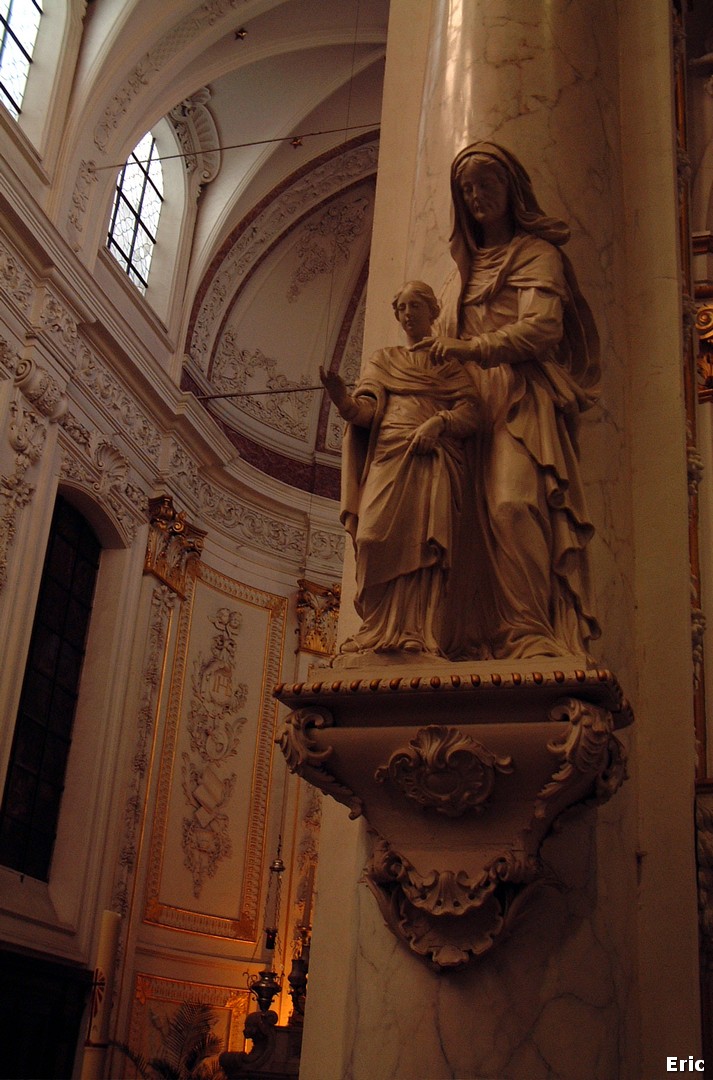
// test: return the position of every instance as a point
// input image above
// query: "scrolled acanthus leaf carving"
(590, 753)
(444, 770)
(444, 892)
(448, 917)
(304, 756)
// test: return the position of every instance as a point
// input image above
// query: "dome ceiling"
(283, 297)
(278, 273)
(266, 113)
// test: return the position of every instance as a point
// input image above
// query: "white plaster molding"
(86, 178)
(99, 469)
(153, 61)
(163, 600)
(322, 241)
(286, 413)
(57, 322)
(119, 405)
(245, 523)
(9, 360)
(326, 548)
(15, 279)
(302, 196)
(27, 435)
(198, 137)
(216, 716)
(39, 388)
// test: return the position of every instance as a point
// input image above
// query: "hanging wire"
(294, 139)
(263, 393)
(345, 132)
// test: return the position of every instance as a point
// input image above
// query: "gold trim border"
(245, 926)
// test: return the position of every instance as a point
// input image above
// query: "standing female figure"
(403, 469)
(513, 315)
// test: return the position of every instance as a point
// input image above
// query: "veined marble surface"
(540, 77)
(577, 992)
(548, 1003)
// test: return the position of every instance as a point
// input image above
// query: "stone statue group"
(461, 485)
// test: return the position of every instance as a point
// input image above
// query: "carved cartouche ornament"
(460, 774)
(445, 770)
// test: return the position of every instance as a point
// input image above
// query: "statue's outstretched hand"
(442, 349)
(336, 388)
(426, 437)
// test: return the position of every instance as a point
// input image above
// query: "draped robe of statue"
(536, 369)
(403, 509)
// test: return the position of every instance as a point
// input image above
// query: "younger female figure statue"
(403, 471)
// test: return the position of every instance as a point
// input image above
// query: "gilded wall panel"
(156, 1008)
(208, 844)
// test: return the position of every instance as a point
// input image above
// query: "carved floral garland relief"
(214, 723)
(207, 848)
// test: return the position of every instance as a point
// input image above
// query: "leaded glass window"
(19, 23)
(137, 208)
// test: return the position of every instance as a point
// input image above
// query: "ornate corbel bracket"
(460, 778)
(309, 760)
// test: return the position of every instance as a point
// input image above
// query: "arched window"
(133, 225)
(19, 23)
(43, 731)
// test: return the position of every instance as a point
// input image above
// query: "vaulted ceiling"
(283, 98)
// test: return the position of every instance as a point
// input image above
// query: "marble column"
(578, 990)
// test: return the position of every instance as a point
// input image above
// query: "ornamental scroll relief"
(208, 838)
(173, 544)
(444, 770)
(215, 720)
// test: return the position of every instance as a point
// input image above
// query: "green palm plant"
(189, 1043)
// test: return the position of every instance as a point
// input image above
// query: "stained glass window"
(19, 23)
(137, 207)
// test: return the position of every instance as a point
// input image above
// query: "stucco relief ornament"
(317, 616)
(27, 436)
(195, 129)
(214, 723)
(235, 369)
(15, 278)
(173, 544)
(325, 239)
(163, 601)
(40, 389)
(445, 770)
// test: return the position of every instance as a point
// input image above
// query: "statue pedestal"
(460, 771)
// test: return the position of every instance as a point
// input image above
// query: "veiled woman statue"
(513, 316)
(403, 469)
